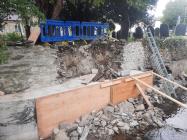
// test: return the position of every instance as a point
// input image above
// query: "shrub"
(13, 37)
(171, 43)
(164, 30)
(157, 32)
(152, 30)
(138, 33)
(180, 30)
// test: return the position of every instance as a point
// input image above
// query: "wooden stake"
(161, 93)
(170, 81)
(144, 96)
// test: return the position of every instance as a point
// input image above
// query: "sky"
(160, 7)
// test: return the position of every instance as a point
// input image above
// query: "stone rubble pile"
(78, 59)
(127, 118)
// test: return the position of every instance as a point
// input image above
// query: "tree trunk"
(27, 31)
(57, 9)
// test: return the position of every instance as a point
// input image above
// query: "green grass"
(12, 37)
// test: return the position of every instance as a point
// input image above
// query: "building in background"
(12, 23)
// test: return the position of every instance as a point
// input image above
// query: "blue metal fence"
(55, 31)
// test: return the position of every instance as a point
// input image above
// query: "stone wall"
(80, 60)
(134, 56)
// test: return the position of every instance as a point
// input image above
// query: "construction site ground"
(31, 69)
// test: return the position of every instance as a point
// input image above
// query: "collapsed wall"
(80, 60)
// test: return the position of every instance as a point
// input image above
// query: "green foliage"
(171, 43)
(13, 37)
(130, 39)
(5, 9)
(26, 9)
(3, 51)
(140, 4)
(173, 10)
(94, 2)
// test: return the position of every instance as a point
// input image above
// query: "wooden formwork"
(127, 88)
(70, 105)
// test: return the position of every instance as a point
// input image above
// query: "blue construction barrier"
(56, 31)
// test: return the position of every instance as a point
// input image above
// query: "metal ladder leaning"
(158, 63)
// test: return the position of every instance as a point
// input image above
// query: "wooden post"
(170, 81)
(144, 96)
(161, 93)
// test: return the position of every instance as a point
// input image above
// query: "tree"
(53, 8)
(6, 8)
(173, 10)
(128, 12)
(25, 9)
(125, 12)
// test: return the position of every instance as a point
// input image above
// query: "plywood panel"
(68, 106)
(127, 88)
(35, 32)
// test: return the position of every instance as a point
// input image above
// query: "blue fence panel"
(55, 31)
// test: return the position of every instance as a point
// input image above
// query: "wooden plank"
(35, 32)
(68, 106)
(159, 92)
(174, 83)
(143, 95)
(17, 120)
(127, 89)
(110, 83)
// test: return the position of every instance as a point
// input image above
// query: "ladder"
(158, 63)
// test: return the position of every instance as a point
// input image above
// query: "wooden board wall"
(68, 106)
(127, 88)
(35, 32)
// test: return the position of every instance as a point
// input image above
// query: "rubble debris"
(79, 60)
(105, 73)
(61, 135)
(127, 117)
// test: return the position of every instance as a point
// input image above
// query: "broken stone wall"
(80, 60)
